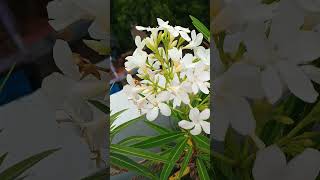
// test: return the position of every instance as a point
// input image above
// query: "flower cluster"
(172, 70)
(262, 51)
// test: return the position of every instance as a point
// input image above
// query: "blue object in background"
(116, 87)
(18, 85)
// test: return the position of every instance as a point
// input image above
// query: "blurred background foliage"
(125, 14)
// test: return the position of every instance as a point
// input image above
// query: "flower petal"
(304, 166)
(186, 124)
(312, 72)
(205, 126)
(271, 84)
(205, 114)
(164, 109)
(196, 130)
(297, 81)
(270, 163)
(194, 114)
(153, 114)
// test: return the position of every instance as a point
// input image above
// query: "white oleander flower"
(168, 74)
(230, 104)
(137, 59)
(198, 79)
(282, 56)
(197, 123)
(196, 40)
(271, 163)
(155, 104)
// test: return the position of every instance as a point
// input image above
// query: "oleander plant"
(169, 76)
(265, 61)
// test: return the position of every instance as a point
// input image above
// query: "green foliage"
(128, 13)
(19, 168)
(100, 175)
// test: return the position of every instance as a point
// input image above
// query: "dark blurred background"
(26, 40)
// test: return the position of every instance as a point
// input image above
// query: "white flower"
(156, 103)
(179, 91)
(137, 59)
(282, 56)
(235, 14)
(230, 104)
(271, 163)
(198, 78)
(196, 40)
(203, 54)
(198, 122)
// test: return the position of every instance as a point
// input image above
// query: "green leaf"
(202, 142)
(4, 81)
(98, 46)
(16, 170)
(116, 130)
(127, 163)
(174, 156)
(159, 129)
(115, 116)
(3, 157)
(130, 151)
(100, 175)
(185, 162)
(201, 28)
(102, 107)
(202, 170)
(132, 139)
(158, 140)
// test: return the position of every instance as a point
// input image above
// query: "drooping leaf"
(127, 163)
(114, 116)
(102, 107)
(3, 157)
(185, 162)
(130, 151)
(202, 142)
(121, 127)
(17, 169)
(158, 140)
(174, 156)
(132, 139)
(202, 170)
(159, 129)
(201, 28)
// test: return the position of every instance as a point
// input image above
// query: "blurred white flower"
(271, 163)
(197, 123)
(198, 78)
(196, 40)
(230, 105)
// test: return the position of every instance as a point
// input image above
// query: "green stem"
(223, 158)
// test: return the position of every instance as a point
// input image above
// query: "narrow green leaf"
(102, 107)
(201, 28)
(173, 158)
(202, 170)
(100, 175)
(202, 142)
(130, 151)
(16, 170)
(3, 157)
(132, 139)
(124, 125)
(158, 140)
(159, 129)
(4, 81)
(185, 162)
(127, 163)
(115, 116)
